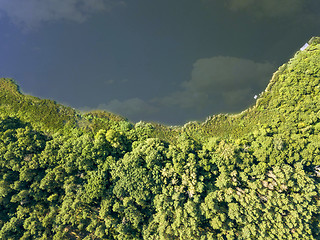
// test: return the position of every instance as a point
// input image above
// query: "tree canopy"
(253, 175)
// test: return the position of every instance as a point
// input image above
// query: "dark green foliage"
(254, 175)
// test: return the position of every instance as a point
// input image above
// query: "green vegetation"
(253, 175)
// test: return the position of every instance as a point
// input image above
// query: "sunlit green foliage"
(254, 175)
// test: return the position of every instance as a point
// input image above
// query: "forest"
(253, 175)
